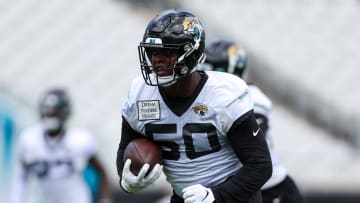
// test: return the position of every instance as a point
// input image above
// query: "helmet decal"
(192, 27)
(188, 23)
(153, 41)
(232, 50)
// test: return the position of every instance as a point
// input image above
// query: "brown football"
(141, 151)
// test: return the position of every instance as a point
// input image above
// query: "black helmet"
(172, 30)
(55, 101)
(225, 56)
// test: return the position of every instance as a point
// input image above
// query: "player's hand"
(198, 194)
(133, 183)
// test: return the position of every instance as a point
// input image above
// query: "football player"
(57, 156)
(204, 122)
(226, 56)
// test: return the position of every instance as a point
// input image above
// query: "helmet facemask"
(179, 68)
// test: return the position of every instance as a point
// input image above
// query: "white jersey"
(262, 105)
(57, 164)
(195, 144)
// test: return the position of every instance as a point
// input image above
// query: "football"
(141, 151)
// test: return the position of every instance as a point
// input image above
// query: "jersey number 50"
(187, 133)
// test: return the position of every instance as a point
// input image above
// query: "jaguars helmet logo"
(189, 23)
(192, 26)
(201, 110)
(232, 50)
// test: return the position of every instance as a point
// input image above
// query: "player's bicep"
(247, 139)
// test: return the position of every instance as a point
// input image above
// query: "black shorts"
(284, 192)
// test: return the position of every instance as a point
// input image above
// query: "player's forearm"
(127, 135)
(244, 184)
(250, 147)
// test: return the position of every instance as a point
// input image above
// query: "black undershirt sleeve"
(127, 135)
(250, 147)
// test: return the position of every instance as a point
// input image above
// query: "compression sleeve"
(250, 147)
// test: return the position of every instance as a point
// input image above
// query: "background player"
(56, 156)
(199, 119)
(226, 56)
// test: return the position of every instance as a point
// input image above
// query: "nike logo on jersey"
(256, 132)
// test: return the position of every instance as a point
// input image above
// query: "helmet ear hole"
(182, 71)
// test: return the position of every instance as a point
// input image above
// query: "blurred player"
(57, 156)
(204, 122)
(226, 56)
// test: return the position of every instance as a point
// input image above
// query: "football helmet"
(225, 56)
(54, 107)
(171, 32)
